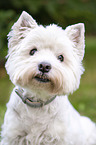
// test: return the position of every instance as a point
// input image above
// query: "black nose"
(44, 67)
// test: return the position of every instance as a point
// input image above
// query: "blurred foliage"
(62, 12)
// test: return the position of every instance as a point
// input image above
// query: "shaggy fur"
(57, 123)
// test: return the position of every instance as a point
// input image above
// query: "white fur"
(57, 123)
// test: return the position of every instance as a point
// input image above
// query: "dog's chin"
(45, 83)
(42, 78)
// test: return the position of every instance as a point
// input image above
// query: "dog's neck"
(30, 101)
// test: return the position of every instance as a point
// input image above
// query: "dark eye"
(61, 58)
(32, 52)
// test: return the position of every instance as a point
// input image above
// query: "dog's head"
(45, 59)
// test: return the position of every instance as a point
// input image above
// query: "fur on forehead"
(25, 25)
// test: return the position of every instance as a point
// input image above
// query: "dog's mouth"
(42, 78)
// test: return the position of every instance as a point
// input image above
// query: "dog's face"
(45, 59)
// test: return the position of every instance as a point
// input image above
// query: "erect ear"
(21, 28)
(76, 35)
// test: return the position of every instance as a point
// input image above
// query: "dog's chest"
(41, 126)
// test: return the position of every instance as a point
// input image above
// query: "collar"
(30, 102)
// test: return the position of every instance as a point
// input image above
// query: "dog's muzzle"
(43, 68)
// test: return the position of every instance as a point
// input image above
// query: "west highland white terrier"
(45, 65)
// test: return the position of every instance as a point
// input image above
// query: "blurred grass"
(84, 99)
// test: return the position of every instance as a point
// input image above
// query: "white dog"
(45, 65)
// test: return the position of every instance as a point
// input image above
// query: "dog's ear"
(76, 35)
(21, 28)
